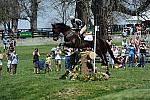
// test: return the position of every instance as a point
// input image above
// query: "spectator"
(137, 44)
(115, 51)
(9, 61)
(139, 29)
(48, 62)
(146, 40)
(14, 62)
(142, 58)
(36, 55)
(124, 33)
(11, 48)
(13, 42)
(121, 59)
(110, 60)
(131, 31)
(58, 59)
(109, 40)
(131, 41)
(131, 54)
(53, 52)
(6, 43)
(124, 42)
(1, 64)
(123, 54)
(67, 52)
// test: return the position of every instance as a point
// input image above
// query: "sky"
(47, 17)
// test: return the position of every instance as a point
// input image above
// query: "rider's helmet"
(72, 17)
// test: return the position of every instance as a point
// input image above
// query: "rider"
(77, 24)
(80, 28)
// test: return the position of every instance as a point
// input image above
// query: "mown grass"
(124, 84)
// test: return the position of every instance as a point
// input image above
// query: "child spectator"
(1, 64)
(48, 62)
(131, 54)
(58, 59)
(36, 55)
(14, 62)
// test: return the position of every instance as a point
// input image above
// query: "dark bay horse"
(72, 39)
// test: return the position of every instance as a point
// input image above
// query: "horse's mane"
(64, 26)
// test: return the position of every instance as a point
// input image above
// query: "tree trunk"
(82, 10)
(33, 20)
(14, 25)
(99, 18)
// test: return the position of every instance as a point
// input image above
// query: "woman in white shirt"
(14, 62)
(1, 64)
(58, 59)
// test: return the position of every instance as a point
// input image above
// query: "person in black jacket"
(36, 55)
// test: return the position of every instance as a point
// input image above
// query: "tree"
(9, 13)
(102, 9)
(63, 8)
(82, 10)
(29, 9)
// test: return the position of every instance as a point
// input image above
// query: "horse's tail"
(111, 54)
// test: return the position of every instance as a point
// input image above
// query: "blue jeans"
(67, 62)
(131, 56)
(142, 59)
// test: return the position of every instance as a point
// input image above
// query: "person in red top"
(137, 44)
(131, 41)
(139, 29)
(109, 40)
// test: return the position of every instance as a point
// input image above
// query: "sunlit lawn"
(124, 84)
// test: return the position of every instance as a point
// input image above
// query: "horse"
(72, 39)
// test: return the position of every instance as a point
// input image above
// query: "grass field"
(124, 84)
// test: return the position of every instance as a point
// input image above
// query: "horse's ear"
(52, 25)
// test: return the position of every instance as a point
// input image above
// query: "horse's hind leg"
(106, 63)
(102, 58)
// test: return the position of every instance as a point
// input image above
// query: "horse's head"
(59, 28)
(56, 32)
